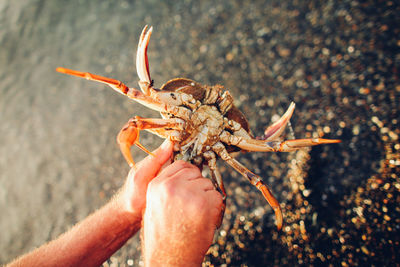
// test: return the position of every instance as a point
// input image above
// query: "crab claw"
(276, 129)
(142, 62)
(272, 202)
(127, 137)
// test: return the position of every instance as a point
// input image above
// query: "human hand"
(181, 215)
(132, 196)
(97, 237)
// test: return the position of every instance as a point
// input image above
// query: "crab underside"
(201, 120)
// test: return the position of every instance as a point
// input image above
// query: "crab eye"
(173, 96)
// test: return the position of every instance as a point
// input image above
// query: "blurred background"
(338, 60)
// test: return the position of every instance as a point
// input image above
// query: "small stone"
(386, 217)
(364, 250)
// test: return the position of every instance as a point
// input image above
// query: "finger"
(214, 196)
(216, 204)
(202, 184)
(188, 173)
(151, 165)
(176, 167)
(167, 163)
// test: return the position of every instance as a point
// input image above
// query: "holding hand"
(132, 196)
(182, 212)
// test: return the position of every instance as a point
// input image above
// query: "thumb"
(151, 165)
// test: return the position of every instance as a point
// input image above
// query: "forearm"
(170, 254)
(181, 249)
(90, 242)
(95, 239)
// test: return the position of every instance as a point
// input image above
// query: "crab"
(201, 120)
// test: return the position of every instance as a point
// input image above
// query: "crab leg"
(129, 134)
(217, 180)
(132, 93)
(216, 176)
(117, 86)
(254, 179)
(274, 146)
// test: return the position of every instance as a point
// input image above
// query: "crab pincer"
(127, 137)
(272, 202)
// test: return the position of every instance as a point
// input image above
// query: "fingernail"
(166, 144)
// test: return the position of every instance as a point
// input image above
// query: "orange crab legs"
(269, 142)
(281, 146)
(129, 134)
(216, 179)
(117, 86)
(250, 144)
(153, 101)
(216, 176)
(254, 179)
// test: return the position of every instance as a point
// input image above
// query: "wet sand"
(338, 61)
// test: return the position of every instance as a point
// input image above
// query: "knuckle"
(197, 171)
(181, 163)
(162, 190)
(191, 173)
(209, 183)
(167, 188)
(185, 164)
(152, 186)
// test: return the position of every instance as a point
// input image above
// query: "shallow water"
(59, 160)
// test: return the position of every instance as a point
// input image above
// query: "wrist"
(171, 251)
(169, 261)
(123, 208)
